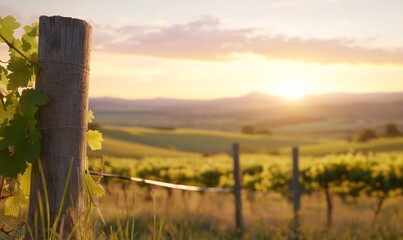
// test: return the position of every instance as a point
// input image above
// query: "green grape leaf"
(11, 99)
(30, 100)
(25, 180)
(30, 148)
(15, 150)
(29, 41)
(20, 73)
(7, 27)
(90, 116)
(34, 58)
(3, 70)
(17, 43)
(94, 188)
(14, 132)
(15, 203)
(19, 136)
(7, 114)
(32, 31)
(94, 138)
(3, 85)
(9, 168)
(26, 45)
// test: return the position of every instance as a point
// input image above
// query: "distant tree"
(365, 135)
(248, 129)
(263, 132)
(391, 130)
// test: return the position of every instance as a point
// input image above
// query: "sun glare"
(290, 88)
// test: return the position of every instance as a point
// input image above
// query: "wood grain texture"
(64, 56)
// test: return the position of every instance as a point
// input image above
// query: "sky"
(205, 49)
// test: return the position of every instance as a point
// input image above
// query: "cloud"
(291, 3)
(204, 39)
(24, 19)
(6, 10)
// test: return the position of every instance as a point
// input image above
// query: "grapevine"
(377, 175)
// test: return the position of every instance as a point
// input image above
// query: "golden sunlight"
(291, 88)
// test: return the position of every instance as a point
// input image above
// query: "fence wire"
(165, 184)
(186, 187)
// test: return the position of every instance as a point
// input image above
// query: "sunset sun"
(291, 88)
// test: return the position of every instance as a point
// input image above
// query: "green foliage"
(365, 135)
(94, 139)
(263, 132)
(15, 203)
(20, 74)
(248, 129)
(391, 130)
(94, 187)
(19, 102)
(7, 27)
(345, 174)
(19, 136)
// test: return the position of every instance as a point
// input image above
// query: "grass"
(187, 215)
(133, 212)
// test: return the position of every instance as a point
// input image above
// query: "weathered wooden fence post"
(64, 57)
(237, 189)
(296, 190)
(295, 187)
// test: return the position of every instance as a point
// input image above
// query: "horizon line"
(249, 93)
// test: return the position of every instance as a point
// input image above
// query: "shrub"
(392, 130)
(248, 129)
(365, 135)
(263, 132)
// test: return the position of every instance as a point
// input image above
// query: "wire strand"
(62, 127)
(49, 61)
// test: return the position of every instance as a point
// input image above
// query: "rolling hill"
(327, 115)
(138, 142)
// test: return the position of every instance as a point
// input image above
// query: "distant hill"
(335, 113)
(253, 98)
(117, 104)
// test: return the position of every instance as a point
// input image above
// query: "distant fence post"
(295, 188)
(64, 56)
(237, 189)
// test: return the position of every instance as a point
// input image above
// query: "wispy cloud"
(204, 39)
(291, 3)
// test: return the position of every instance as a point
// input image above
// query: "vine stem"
(10, 45)
(1, 190)
(1, 187)
(3, 230)
(1, 99)
(378, 209)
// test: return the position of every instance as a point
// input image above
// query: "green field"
(117, 147)
(376, 145)
(190, 140)
(323, 127)
(135, 142)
